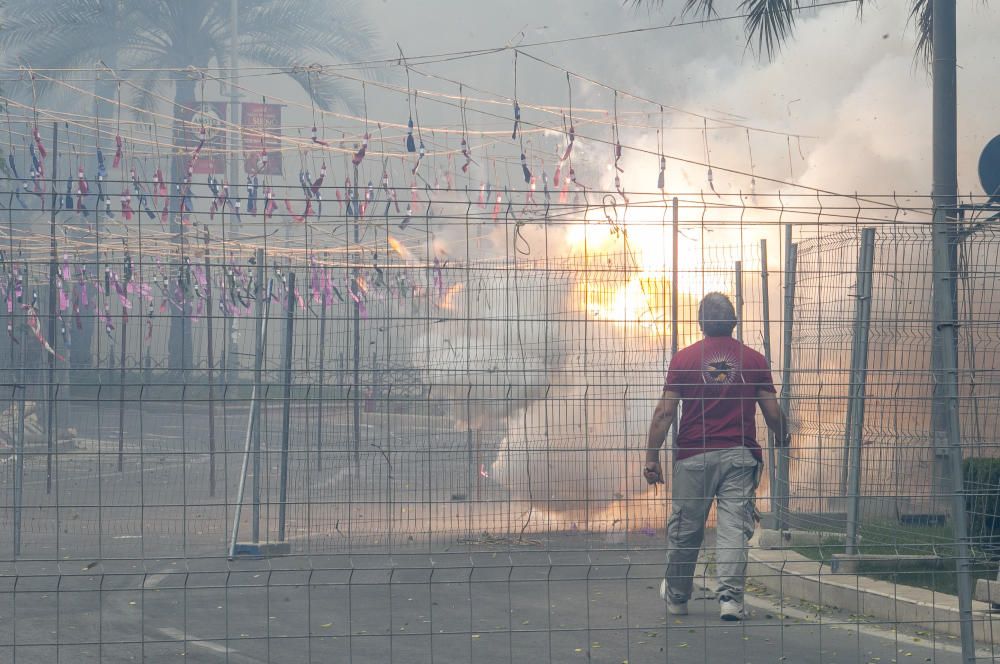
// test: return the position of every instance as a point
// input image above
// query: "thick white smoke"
(852, 88)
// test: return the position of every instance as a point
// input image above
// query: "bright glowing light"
(399, 248)
(628, 269)
(448, 297)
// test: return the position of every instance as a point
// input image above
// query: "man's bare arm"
(776, 420)
(663, 417)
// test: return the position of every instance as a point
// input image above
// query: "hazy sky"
(851, 83)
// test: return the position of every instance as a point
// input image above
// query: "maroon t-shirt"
(718, 379)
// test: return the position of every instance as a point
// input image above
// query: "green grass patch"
(893, 538)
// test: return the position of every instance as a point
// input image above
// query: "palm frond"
(922, 17)
(770, 23)
(346, 35)
(145, 94)
(157, 33)
(705, 8)
(323, 89)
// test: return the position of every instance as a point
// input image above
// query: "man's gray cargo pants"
(730, 475)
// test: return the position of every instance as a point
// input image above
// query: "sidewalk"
(792, 576)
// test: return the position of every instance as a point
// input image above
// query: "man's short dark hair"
(716, 315)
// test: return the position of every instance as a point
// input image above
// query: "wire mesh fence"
(419, 437)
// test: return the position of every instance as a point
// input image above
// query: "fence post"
(18, 436)
(322, 376)
(17, 334)
(859, 379)
(674, 302)
(738, 276)
(51, 425)
(11, 289)
(787, 325)
(260, 306)
(210, 323)
(765, 293)
(12, 276)
(252, 424)
(355, 291)
(286, 407)
(121, 393)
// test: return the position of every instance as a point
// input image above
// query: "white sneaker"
(730, 609)
(673, 608)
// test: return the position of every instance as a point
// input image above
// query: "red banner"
(261, 132)
(210, 115)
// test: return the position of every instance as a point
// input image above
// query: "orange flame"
(398, 247)
(637, 290)
(448, 298)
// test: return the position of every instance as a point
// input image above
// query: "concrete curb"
(791, 575)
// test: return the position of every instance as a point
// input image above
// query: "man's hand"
(663, 416)
(653, 473)
(776, 420)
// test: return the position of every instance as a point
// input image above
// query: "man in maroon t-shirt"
(720, 382)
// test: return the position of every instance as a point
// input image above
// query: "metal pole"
(121, 394)
(791, 258)
(262, 304)
(210, 320)
(251, 427)
(234, 95)
(355, 396)
(286, 407)
(322, 377)
(765, 293)
(18, 335)
(852, 385)
(674, 278)
(18, 436)
(859, 378)
(234, 161)
(11, 278)
(50, 420)
(738, 269)
(945, 199)
(674, 299)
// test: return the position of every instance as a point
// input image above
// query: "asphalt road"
(492, 606)
(129, 565)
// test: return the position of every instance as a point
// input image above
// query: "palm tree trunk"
(179, 344)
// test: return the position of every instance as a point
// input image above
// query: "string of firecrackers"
(442, 149)
(164, 242)
(34, 247)
(310, 188)
(178, 294)
(560, 184)
(223, 199)
(286, 141)
(359, 288)
(497, 98)
(187, 293)
(236, 286)
(364, 136)
(146, 148)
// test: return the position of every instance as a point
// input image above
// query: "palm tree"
(772, 22)
(152, 43)
(134, 35)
